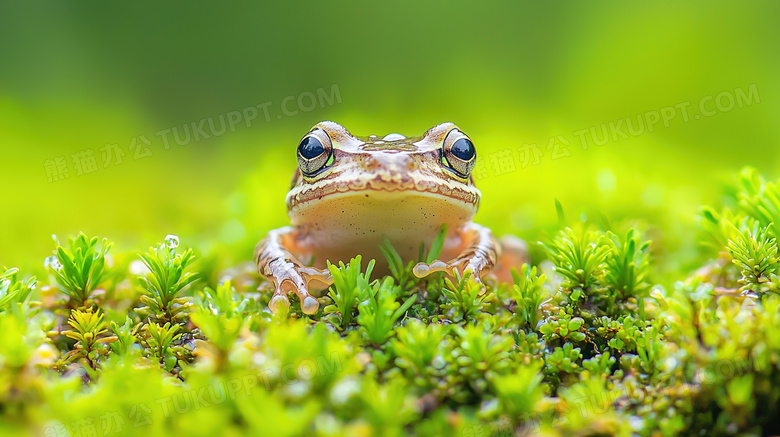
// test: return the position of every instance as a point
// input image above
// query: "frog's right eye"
(459, 153)
(314, 151)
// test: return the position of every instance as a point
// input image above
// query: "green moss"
(583, 343)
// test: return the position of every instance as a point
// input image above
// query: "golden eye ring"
(314, 151)
(459, 153)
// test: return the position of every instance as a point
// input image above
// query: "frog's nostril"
(390, 164)
(402, 163)
(410, 163)
(373, 162)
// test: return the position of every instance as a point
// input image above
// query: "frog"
(350, 194)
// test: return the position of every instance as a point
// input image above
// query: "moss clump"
(583, 343)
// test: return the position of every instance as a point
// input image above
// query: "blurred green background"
(75, 77)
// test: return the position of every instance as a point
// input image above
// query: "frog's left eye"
(314, 151)
(459, 153)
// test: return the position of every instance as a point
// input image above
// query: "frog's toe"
(277, 302)
(422, 270)
(310, 305)
(476, 276)
(288, 277)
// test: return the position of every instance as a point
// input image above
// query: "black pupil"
(310, 148)
(463, 149)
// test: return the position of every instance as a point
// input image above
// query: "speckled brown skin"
(394, 187)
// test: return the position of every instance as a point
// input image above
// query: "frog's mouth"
(466, 196)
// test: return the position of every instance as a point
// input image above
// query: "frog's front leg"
(480, 256)
(275, 261)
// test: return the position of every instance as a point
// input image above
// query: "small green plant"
(224, 300)
(465, 298)
(620, 334)
(403, 274)
(528, 292)
(717, 228)
(316, 356)
(563, 326)
(126, 336)
(759, 199)
(650, 349)
(88, 330)
(482, 355)
(580, 259)
(564, 360)
(519, 392)
(416, 346)
(627, 267)
(378, 309)
(13, 291)
(160, 343)
(167, 278)
(755, 252)
(387, 406)
(599, 365)
(348, 283)
(79, 268)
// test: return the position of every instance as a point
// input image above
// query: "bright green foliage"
(650, 349)
(466, 298)
(221, 316)
(759, 199)
(126, 336)
(564, 360)
(563, 326)
(268, 416)
(416, 347)
(587, 410)
(387, 407)
(521, 391)
(591, 349)
(437, 244)
(162, 286)
(19, 343)
(717, 227)
(88, 329)
(755, 252)
(298, 357)
(159, 341)
(79, 268)
(621, 333)
(13, 291)
(579, 257)
(403, 274)
(600, 365)
(481, 353)
(627, 269)
(225, 301)
(349, 282)
(529, 293)
(379, 310)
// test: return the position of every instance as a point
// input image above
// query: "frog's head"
(434, 168)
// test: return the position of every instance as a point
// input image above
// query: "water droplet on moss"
(172, 241)
(51, 262)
